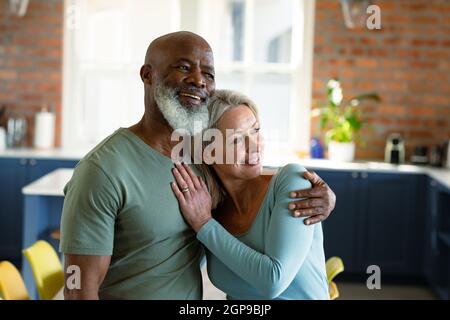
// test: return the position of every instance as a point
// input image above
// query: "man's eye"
(183, 68)
(210, 76)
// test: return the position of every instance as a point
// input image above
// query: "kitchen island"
(43, 202)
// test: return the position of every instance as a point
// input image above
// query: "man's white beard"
(179, 117)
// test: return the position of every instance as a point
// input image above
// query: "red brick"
(31, 58)
(327, 5)
(407, 63)
(424, 42)
(8, 74)
(408, 122)
(7, 96)
(420, 111)
(49, 87)
(392, 110)
(50, 42)
(31, 97)
(419, 134)
(367, 63)
(423, 64)
(32, 75)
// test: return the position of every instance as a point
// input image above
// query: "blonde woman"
(255, 248)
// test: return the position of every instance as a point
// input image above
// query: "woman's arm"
(288, 241)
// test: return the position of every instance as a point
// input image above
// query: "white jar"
(2, 138)
(44, 130)
(341, 151)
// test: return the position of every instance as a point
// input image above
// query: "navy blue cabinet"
(13, 177)
(341, 229)
(393, 227)
(437, 240)
(377, 221)
(15, 173)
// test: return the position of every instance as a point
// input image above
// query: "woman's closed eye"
(239, 139)
(255, 131)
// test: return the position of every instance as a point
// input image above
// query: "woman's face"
(242, 144)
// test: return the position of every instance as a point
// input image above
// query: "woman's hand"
(193, 196)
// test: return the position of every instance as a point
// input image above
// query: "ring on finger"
(184, 190)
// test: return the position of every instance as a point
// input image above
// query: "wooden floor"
(348, 291)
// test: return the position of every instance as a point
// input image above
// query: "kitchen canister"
(2, 138)
(44, 129)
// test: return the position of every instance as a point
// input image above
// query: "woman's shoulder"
(291, 176)
(292, 167)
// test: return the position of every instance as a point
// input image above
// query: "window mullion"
(248, 48)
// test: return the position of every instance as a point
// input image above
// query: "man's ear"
(146, 74)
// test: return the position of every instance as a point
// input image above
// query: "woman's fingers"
(185, 175)
(191, 174)
(182, 184)
(178, 194)
(203, 184)
(181, 169)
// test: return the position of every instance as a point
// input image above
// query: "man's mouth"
(193, 96)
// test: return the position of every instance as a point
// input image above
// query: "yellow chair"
(12, 286)
(47, 269)
(334, 266)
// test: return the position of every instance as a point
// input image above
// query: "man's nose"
(197, 79)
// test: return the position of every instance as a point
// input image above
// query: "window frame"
(299, 69)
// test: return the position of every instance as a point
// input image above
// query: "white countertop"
(53, 183)
(54, 154)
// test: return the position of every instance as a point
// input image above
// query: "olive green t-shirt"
(119, 203)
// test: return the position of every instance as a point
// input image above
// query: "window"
(262, 48)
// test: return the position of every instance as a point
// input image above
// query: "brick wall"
(407, 62)
(31, 60)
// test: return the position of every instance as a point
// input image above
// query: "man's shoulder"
(109, 153)
(108, 145)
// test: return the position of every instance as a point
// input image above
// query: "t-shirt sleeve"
(90, 209)
(286, 247)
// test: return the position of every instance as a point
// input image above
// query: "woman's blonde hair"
(221, 102)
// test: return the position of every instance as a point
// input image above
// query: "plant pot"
(341, 151)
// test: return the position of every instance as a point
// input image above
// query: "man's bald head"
(158, 48)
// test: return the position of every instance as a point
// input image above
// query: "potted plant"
(342, 119)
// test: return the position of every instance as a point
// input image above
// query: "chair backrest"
(334, 266)
(12, 286)
(46, 267)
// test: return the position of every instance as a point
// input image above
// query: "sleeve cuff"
(202, 234)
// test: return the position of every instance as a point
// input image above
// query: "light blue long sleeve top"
(279, 257)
